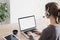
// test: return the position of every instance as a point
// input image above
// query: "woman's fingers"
(29, 33)
(37, 32)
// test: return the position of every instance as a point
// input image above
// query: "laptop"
(26, 24)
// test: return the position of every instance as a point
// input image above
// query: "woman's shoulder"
(50, 28)
(48, 32)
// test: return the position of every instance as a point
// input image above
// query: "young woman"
(52, 31)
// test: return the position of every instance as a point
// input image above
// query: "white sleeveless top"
(57, 31)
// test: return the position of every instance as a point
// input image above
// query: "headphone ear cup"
(48, 14)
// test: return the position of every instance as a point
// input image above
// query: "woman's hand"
(37, 32)
(29, 33)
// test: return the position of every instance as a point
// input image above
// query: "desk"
(7, 29)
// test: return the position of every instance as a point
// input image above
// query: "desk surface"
(7, 29)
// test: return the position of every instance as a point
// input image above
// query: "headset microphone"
(43, 16)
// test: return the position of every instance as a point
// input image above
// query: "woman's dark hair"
(53, 10)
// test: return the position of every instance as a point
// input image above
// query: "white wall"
(20, 8)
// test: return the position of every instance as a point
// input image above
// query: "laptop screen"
(27, 22)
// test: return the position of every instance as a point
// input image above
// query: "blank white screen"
(27, 23)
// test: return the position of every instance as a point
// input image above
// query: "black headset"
(48, 14)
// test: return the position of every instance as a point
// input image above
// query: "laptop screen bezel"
(28, 28)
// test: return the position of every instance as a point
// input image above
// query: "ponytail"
(58, 15)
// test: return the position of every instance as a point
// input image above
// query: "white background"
(19, 8)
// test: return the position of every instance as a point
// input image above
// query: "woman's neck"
(53, 21)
